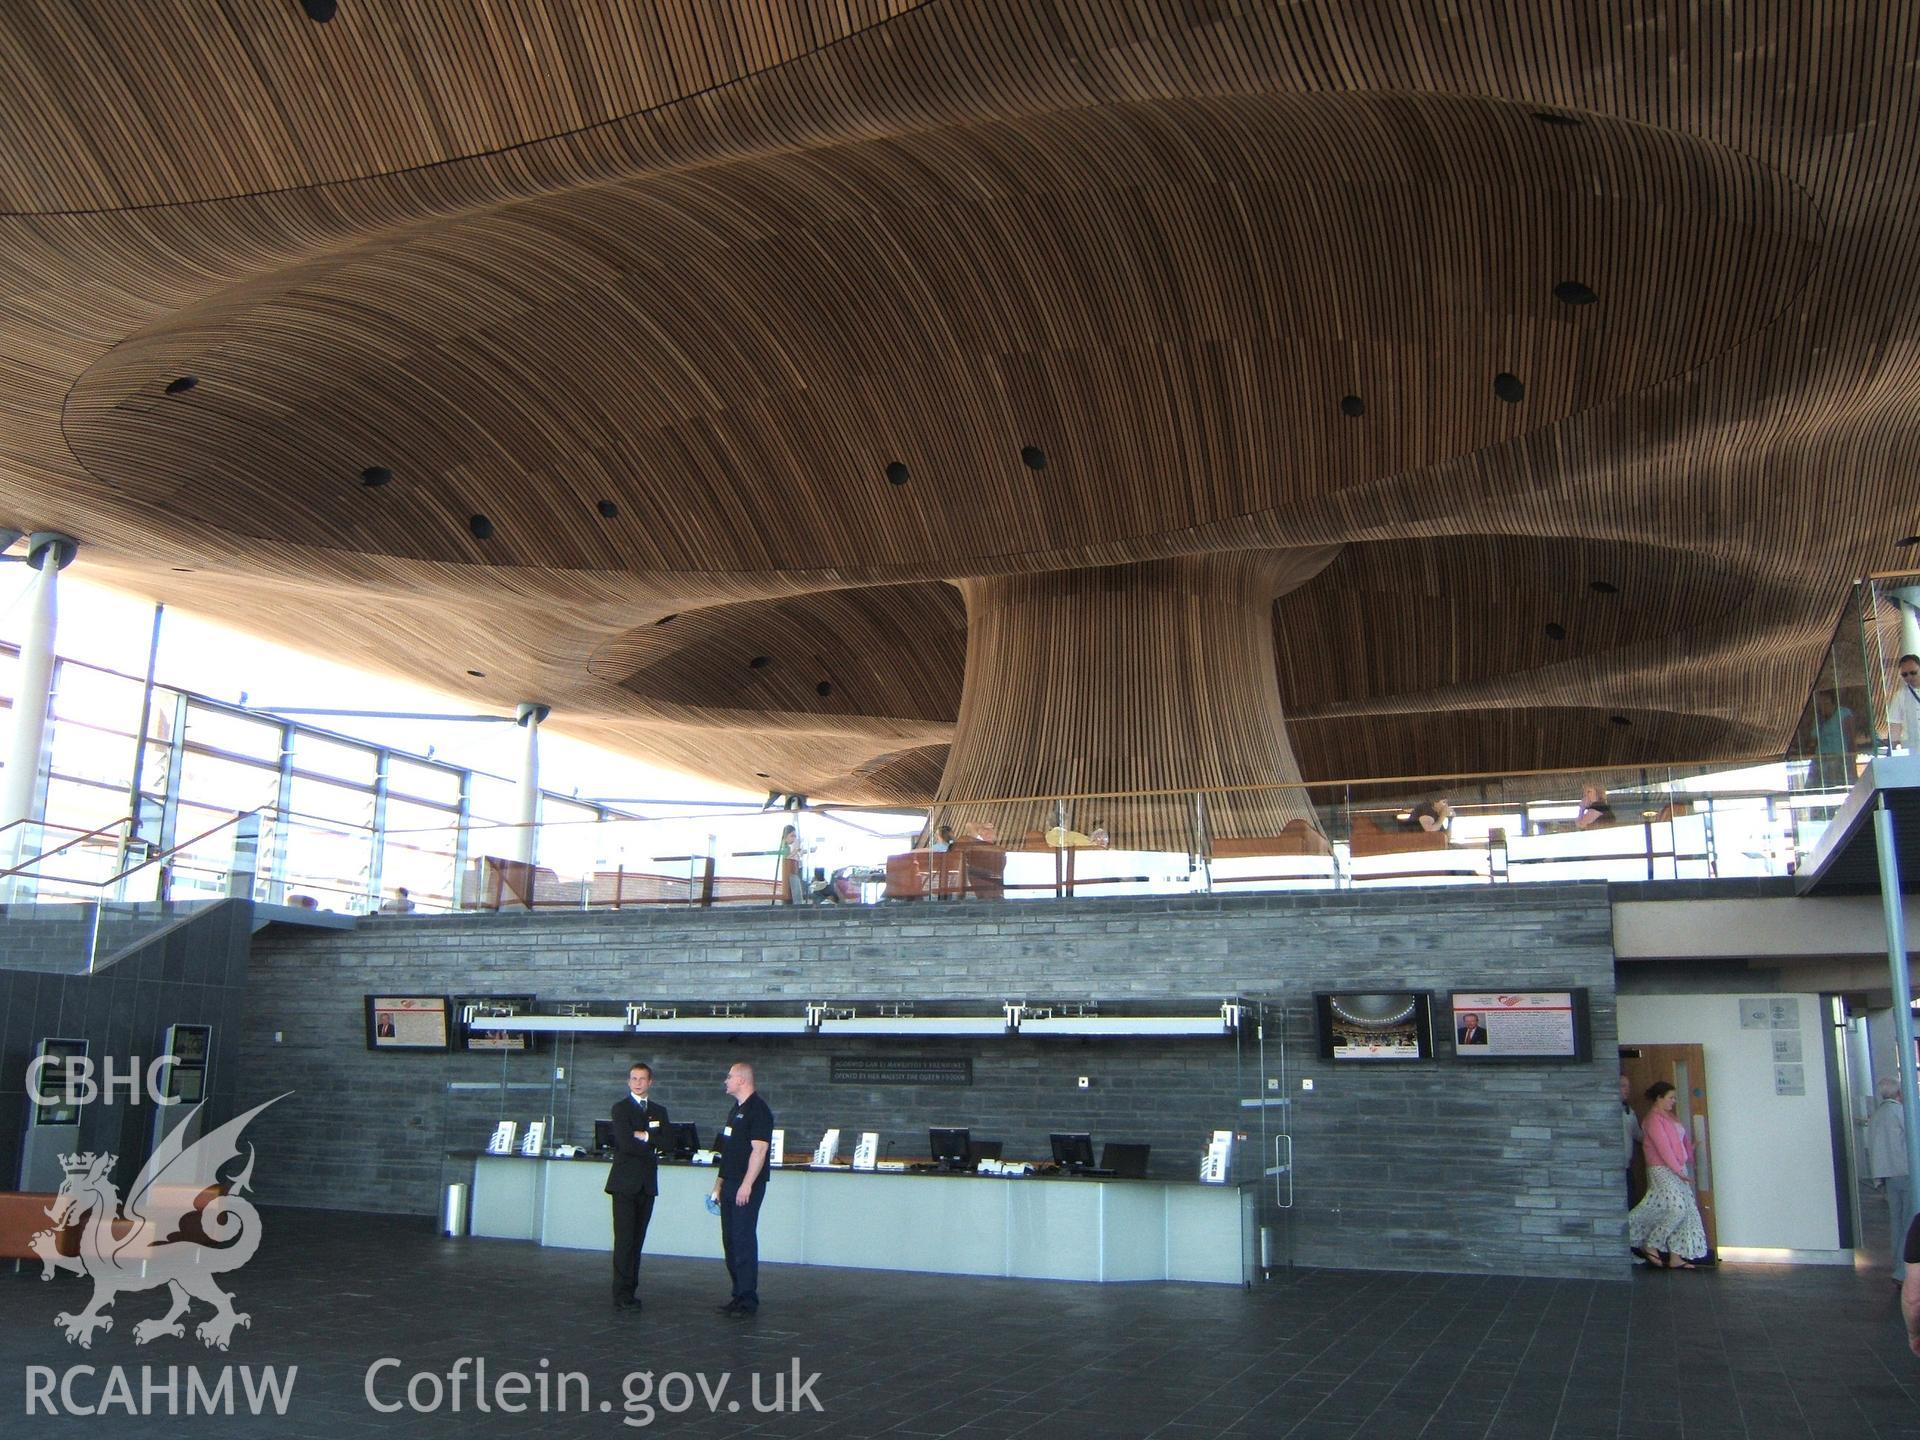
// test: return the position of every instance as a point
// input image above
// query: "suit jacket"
(636, 1163)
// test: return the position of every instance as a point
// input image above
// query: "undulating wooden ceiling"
(693, 365)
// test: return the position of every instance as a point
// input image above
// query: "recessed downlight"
(320, 11)
(1555, 117)
(761, 775)
(898, 474)
(823, 689)
(1509, 388)
(375, 475)
(1603, 587)
(1572, 292)
(667, 619)
(1618, 720)
(182, 384)
(1033, 457)
(1907, 543)
(1352, 406)
(608, 510)
(1556, 631)
(759, 662)
(481, 527)
(478, 674)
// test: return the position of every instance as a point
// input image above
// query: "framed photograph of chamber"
(477, 1034)
(1536, 1025)
(407, 1022)
(57, 1081)
(1379, 1026)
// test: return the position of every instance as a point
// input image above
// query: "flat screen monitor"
(1128, 1161)
(1375, 1026)
(1073, 1151)
(1535, 1025)
(683, 1138)
(55, 1102)
(985, 1150)
(603, 1135)
(950, 1147)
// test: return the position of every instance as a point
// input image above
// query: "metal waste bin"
(453, 1212)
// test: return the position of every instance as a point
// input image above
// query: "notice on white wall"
(1756, 1014)
(1786, 1013)
(1789, 1079)
(1786, 1047)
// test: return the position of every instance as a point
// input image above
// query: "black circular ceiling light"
(898, 474)
(183, 384)
(1556, 631)
(1572, 292)
(1509, 388)
(823, 689)
(320, 11)
(1603, 587)
(608, 510)
(376, 475)
(1033, 457)
(1352, 406)
(760, 662)
(481, 527)
(1555, 117)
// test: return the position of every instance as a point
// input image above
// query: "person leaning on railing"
(1594, 809)
(1903, 709)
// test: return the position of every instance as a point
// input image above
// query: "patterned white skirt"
(1667, 1219)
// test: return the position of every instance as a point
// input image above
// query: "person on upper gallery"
(633, 1180)
(1666, 1225)
(790, 868)
(1903, 706)
(1833, 742)
(1887, 1163)
(1469, 1030)
(399, 903)
(1431, 816)
(746, 1144)
(942, 840)
(1594, 809)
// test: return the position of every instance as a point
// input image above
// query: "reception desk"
(1036, 1227)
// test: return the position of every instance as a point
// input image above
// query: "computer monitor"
(1072, 1151)
(603, 1135)
(950, 1148)
(683, 1138)
(985, 1150)
(1125, 1160)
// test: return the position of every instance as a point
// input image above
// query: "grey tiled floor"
(1756, 1352)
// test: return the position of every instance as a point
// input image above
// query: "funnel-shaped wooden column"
(1156, 676)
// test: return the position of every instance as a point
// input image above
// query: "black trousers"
(740, 1239)
(630, 1216)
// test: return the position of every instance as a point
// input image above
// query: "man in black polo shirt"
(746, 1141)
(633, 1181)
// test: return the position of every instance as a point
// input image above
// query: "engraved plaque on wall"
(900, 1070)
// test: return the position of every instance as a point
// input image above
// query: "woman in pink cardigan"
(1666, 1224)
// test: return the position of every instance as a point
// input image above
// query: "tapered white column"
(48, 554)
(526, 838)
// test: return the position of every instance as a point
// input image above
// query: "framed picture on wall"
(407, 1022)
(1381, 1026)
(1492, 1025)
(477, 1034)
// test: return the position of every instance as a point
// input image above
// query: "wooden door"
(1685, 1068)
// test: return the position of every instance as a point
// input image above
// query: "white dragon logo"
(139, 1246)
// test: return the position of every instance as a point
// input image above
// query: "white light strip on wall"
(548, 1024)
(1124, 1025)
(722, 1025)
(917, 1025)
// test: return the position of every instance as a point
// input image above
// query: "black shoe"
(625, 1302)
(743, 1312)
(732, 1307)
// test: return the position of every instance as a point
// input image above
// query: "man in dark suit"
(639, 1126)
(1471, 1031)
